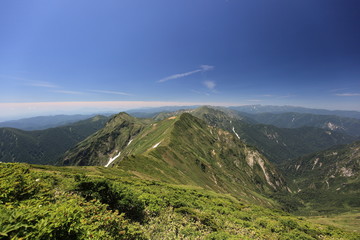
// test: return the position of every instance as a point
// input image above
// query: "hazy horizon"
(90, 56)
(29, 110)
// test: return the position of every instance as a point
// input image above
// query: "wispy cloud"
(41, 84)
(267, 95)
(112, 92)
(202, 68)
(68, 92)
(254, 100)
(338, 89)
(347, 94)
(200, 92)
(274, 96)
(210, 84)
(28, 82)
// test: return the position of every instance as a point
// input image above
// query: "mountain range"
(44, 122)
(350, 126)
(303, 165)
(287, 109)
(45, 146)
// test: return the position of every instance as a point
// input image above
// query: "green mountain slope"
(48, 202)
(107, 142)
(277, 144)
(328, 180)
(183, 150)
(350, 126)
(45, 146)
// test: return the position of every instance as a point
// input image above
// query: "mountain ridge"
(183, 149)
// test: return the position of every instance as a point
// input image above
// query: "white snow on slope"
(129, 142)
(235, 133)
(156, 145)
(112, 159)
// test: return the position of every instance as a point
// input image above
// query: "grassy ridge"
(47, 202)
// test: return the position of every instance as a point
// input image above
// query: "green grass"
(47, 202)
(349, 220)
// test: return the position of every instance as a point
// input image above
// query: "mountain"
(116, 134)
(350, 126)
(277, 144)
(45, 146)
(328, 180)
(284, 109)
(43, 122)
(181, 149)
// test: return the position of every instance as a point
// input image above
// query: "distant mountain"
(45, 146)
(277, 144)
(43, 122)
(181, 149)
(329, 180)
(285, 109)
(350, 126)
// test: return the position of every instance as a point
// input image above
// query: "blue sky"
(280, 52)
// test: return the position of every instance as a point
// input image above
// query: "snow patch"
(156, 145)
(112, 159)
(237, 135)
(316, 161)
(129, 142)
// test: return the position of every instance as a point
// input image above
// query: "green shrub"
(117, 198)
(69, 218)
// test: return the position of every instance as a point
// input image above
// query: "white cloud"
(68, 92)
(206, 67)
(203, 68)
(209, 84)
(111, 92)
(347, 94)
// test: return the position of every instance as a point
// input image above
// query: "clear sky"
(152, 53)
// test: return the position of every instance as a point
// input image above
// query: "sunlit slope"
(185, 150)
(277, 144)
